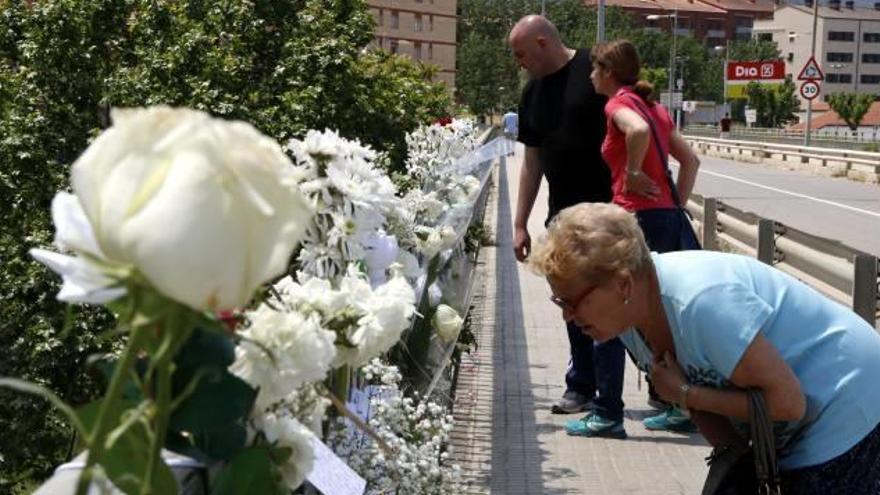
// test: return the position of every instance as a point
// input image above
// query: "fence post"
(766, 240)
(865, 287)
(710, 224)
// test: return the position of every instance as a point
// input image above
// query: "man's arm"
(529, 183)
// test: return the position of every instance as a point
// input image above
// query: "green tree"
(775, 105)
(283, 65)
(851, 107)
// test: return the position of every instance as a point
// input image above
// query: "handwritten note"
(331, 476)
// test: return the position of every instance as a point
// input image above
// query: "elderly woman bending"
(716, 323)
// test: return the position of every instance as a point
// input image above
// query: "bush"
(283, 65)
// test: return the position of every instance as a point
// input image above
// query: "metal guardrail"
(837, 137)
(862, 166)
(842, 273)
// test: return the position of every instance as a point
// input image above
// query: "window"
(393, 46)
(839, 57)
(417, 50)
(871, 37)
(765, 36)
(790, 57)
(430, 51)
(715, 25)
(871, 58)
(833, 77)
(395, 19)
(380, 20)
(841, 36)
(870, 78)
(430, 23)
(417, 25)
(744, 22)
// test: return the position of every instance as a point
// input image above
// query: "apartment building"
(711, 21)
(847, 44)
(424, 30)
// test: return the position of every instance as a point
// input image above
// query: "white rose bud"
(206, 209)
(447, 322)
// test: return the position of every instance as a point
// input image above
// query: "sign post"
(804, 73)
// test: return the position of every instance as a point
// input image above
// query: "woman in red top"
(639, 138)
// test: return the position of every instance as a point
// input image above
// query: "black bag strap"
(643, 110)
(763, 445)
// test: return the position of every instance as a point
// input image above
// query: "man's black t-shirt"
(562, 115)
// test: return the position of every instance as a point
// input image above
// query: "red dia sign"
(755, 71)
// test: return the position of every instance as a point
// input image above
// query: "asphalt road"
(834, 208)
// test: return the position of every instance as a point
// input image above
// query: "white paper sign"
(331, 476)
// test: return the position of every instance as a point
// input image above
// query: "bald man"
(562, 125)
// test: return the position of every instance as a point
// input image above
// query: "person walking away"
(562, 126)
(716, 324)
(725, 126)
(510, 123)
(640, 137)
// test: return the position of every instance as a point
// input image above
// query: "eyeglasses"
(570, 307)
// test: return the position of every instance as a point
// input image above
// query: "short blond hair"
(592, 241)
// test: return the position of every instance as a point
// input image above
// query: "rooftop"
(670, 5)
(855, 14)
(764, 6)
(831, 118)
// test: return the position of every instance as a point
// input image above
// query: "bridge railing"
(836, 136)
(842, 273)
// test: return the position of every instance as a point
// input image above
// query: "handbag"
(743, 469)
(688, 238)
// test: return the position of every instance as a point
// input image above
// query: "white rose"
(206, 209)
(447, 322)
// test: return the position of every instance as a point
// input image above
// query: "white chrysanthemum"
(283, 431)
(386, 313)
(302, 351)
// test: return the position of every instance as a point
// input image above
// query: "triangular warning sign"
(811, 71)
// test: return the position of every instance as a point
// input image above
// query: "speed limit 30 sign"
(810, 90)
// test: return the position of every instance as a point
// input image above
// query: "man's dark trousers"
(588, 356)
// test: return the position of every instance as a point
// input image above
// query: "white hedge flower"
(283, 431)
(205, 209)
(447, 322)
(302, 352)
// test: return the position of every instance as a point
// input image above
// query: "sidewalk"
(505, 438)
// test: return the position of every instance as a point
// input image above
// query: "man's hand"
(522, 243)
(639, 183)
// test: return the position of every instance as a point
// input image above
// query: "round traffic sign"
(810, 89)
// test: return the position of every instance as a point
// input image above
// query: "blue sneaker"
(593, 425)
(671, 419)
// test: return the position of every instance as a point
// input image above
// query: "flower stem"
(163, 413)
(98, 438)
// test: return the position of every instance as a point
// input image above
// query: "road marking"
(798, 195)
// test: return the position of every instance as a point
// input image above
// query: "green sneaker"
(593, 425)
(671, 419)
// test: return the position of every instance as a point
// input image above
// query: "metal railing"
(857, 165)
(837, 135)
(842, 273)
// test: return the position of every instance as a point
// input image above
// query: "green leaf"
(221, 444)
(125, 461)
(251, 471)
(219, 398)
(206, 347)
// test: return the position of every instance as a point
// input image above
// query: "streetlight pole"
(672, 65)
(544, 8)
(812, 57)
(600, 22)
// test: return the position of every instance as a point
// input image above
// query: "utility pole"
(544, 8)
(672, 64)
(813, 57)
(600, 22)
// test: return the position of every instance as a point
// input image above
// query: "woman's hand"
(639, 183)
(668, 377)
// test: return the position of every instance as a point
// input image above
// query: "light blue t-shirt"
(717, 302)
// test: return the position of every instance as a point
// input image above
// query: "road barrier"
(838, 138)
(862, 166)
(842, 273)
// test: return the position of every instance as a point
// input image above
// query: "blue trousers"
(596, 371)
